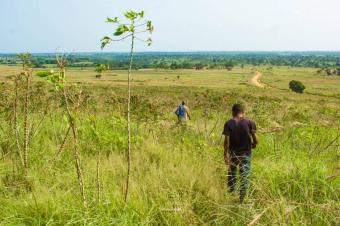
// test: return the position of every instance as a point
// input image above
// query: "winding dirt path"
(255, 80)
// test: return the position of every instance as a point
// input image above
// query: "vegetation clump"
(296, 86)
(100, 68)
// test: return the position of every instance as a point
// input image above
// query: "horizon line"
(178, 51)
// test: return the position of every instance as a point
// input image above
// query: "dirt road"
(255, 80)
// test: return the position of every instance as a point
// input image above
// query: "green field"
(178, 172)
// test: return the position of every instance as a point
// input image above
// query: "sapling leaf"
(110, 20)
(121, 30)
(118, 33)
(149, 41)
(132, 28)
(130, 15)
(106, 40)
(149, 26)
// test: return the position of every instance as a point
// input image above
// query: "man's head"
(237, 110)
(183, 103)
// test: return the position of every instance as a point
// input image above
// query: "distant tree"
(186, 65)
(328, 71)
(229, 65)
(163, 65)
(296, 86)
(199, 66)
(338, 71)
(174, 66)
(36, 63)
(100, 68)
(136, 25)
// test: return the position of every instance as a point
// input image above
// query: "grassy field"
(178, 173)
(323, 85)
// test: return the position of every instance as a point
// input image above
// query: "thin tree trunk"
(75, 148)
(129, 120)
(26, 122)
(78, 165)
(98, 178)
(62, 145)
(16, 132)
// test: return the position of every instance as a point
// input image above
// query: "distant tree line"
(329, 71)
(327, 62)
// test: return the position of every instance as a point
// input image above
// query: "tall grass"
(178, 176)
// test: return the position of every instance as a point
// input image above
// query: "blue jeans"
(243, 162)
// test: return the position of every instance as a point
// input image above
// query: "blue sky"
(180, 25)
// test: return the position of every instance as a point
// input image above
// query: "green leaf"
(110, 20)
(106, 40)
(130, 15)
(149, 41)
(121, 30)
(141, 14)
(132, 28)
(149, 26)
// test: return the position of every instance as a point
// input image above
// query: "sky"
(180, 25)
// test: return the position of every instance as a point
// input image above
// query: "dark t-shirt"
(239, 131)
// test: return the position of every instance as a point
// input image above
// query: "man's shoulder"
(230, 121)
(248, 120)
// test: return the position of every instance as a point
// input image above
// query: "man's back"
(239, 131)
(182, 112)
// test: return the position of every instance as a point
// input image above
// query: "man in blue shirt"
(182, 113)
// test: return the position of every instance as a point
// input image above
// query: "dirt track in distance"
(255, 80)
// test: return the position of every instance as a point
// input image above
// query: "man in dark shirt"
(240, 138)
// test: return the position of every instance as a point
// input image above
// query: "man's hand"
(226, 158)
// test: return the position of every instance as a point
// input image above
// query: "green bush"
(297, 86)
(43, 74)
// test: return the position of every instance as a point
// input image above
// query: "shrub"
(100, 68)
(43, 74)
(297, 86)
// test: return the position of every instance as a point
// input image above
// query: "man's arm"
(226, 149)
(176, 113)
(253, 134)
(187, 110)
(255, 140)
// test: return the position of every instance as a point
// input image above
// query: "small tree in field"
(58, 80)
(296, 86)
(100, 68)
(135, 25)
(27, 72)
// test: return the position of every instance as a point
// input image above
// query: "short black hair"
(183, 103)
(237, 109)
